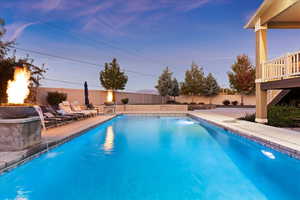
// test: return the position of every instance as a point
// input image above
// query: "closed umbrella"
(86, 94)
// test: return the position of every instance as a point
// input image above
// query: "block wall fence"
(98, 97)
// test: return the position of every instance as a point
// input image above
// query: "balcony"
(282, 72)
(287, 66)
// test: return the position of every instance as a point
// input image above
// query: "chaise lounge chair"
(76, 108)
(66, 108)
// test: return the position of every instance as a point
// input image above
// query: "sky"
(144, 35)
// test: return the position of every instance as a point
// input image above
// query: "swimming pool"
(139, 157)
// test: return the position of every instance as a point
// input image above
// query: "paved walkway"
(61, 132)
(284, 140)
(54, 135)
(230, 112)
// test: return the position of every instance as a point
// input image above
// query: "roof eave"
(251, 23)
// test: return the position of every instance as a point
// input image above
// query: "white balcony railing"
(287, 66)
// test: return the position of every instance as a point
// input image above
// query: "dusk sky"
(144, 35)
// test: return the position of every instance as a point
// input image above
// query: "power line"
(76, 60)
(62, 29)
(67, 82)
(75, 83)
(94, 42)
(55, 56)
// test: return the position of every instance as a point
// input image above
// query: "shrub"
(249, 117)
(234, 103)
(192, 103)
(171, 102)
(90, 106)
(125, 101)
(201, 103)
(226, 102)
(279, 116)
(283, 116)
(55, 98)
(191, 107)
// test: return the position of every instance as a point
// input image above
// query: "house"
(282, 73)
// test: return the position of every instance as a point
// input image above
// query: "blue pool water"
(155, 158)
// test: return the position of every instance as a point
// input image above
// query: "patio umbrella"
(86, 94)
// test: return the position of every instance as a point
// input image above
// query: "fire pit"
(20, 125)
(20, 128)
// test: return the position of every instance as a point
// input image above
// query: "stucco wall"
(98, 97)
(218, 100)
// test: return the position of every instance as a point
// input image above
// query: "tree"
(242, 77)
(175, 91)
(112, 78)
(193, 82)
(4, 46)
(8, 65)
(164, 83)
(125, 101)
(211, 87)
(55, 98)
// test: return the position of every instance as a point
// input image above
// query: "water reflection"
(52, 154)
(185, 122)
(21, 195)
(268, 154)
(109, 140)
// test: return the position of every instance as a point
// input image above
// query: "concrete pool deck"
(230, 112)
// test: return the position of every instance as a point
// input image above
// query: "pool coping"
(291, 152)
(44, 147)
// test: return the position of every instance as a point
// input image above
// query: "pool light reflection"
(109, 140)
(185, 122)
(268, 154)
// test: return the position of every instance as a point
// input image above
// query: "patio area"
(229, 112)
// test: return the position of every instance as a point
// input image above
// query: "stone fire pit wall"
(20, 128)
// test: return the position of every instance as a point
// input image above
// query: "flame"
(109, 97)
(17, 90)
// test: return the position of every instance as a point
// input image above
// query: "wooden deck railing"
(287, 66)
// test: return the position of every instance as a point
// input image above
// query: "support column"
(261, 56)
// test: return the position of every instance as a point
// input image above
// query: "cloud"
(47, 5)
(15, 30)
(171, 5)
(109, 16)
(193, 5)
(91, 7)
(112, 27)
(95, 9)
